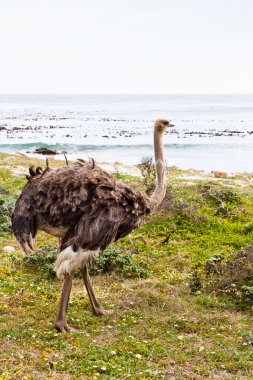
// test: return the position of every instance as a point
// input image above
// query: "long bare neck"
(160, 190)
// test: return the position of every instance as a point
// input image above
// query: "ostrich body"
(87, 209)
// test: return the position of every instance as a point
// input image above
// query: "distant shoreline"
(212, 132)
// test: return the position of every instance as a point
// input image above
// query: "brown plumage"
(86, 204)
(87, 209)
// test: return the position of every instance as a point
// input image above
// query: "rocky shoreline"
(11, 132)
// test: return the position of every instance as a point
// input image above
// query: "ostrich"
(87, 209)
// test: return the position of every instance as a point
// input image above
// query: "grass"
(159, 330)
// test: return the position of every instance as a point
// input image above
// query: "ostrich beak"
(169, 125)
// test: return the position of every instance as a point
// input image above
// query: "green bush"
(196, 282)
(231, 276)
(224, 200)
(7, 203)
(148, 172)
(112, 260)
(43, 261)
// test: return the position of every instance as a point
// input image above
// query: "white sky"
(126, 46)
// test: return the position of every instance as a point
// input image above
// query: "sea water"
(212, 132)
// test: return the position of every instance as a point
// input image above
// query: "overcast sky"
(131, 46)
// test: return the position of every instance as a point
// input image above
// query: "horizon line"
(126, 93)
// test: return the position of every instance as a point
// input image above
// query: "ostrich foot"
(63, 327)
(99, 312)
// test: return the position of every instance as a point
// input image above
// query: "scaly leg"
(61, 318)
(96, 307)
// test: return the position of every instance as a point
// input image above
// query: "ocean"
(212, 132)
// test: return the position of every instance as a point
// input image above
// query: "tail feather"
(24, 221)
(25, 229)
(33, 172)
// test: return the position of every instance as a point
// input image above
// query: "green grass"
(159, 329)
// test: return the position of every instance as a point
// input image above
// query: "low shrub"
(112, 260)
(231, 276)
(224, 200)
(7, 203)
(43, 261)
(148, 172)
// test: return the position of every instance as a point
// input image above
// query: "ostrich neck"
(160, 190)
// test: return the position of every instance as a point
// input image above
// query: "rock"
(8, 248)
(219, 174)
(46, 151)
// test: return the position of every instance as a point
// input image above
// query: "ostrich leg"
(96, 307)
(61, 318)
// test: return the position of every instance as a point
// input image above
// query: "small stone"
(219, 174)
(138, 356)
(8, 248)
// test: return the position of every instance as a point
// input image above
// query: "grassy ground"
(160, 330)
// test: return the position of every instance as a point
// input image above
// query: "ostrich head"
(162, 124)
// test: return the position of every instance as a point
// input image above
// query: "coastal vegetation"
(181, 287)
